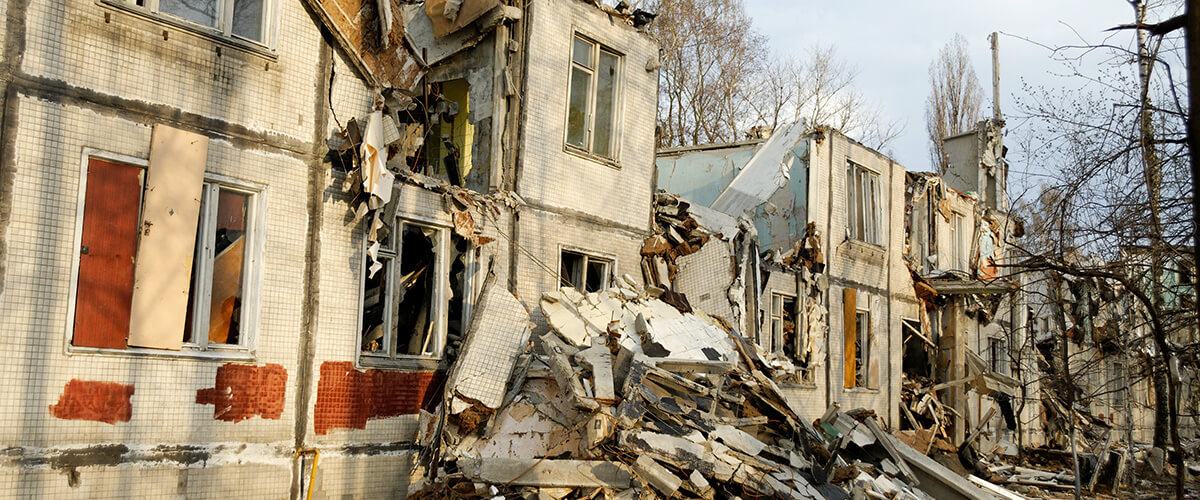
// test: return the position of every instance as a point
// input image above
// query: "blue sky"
(892, 43)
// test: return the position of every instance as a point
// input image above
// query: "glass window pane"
(606, 101)
(577, 108)
(776, 304)
(582, 52)
(229, 251)
(197, 11)
(248, 19)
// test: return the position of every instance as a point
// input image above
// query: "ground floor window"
(584, 272)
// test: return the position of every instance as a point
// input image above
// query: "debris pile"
(631, 396)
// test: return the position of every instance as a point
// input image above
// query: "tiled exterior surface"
(866, 268)
(260, 109)
(550, 176)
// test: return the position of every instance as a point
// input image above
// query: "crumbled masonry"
(628, 396)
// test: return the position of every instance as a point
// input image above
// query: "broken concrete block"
(599, 359)
(546, 473)
(656, 475)
(738, 439)
(560, 365)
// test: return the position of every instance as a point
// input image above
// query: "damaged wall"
(700, 173)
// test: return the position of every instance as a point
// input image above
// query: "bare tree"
(710, 53)
(717, 81)
(826, 95)
(1114, 146)
(954, 99)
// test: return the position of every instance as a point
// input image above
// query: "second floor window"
(958, 242)
(239, 18)
(591, 106)
(862, 202)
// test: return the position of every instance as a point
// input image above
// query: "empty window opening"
(591, 107)
(586, 273)
(862, 195)
(448, 147)
(917, 350)
(998, 355)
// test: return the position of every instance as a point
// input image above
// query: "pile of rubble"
(628, 396)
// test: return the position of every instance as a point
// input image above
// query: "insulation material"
(170, 214)
(449, 16)
(376, 180)
(497, 336)
(382, 56)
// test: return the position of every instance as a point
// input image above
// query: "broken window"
(783, 324)
(856, 334)
(958, 243)
(998, 355)
(584, 272)
(592, 103)
(862, 347)
(419, 296)
(217, 300)
(1121, 385)
(862, 197)
(241, 18)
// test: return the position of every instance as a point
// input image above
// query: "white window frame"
(860, 179)
(776, 323)
(246, 349)
(203, 264)
(590, 113)
(588, 256)
(958, 244)
(224, 29)
(441, 301)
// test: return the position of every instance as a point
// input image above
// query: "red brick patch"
(243, 391)
(347, 398)
(107, 402)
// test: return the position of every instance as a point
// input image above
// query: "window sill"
(868, 251)
(135, 352)
(860, 390)
(608, 162)
(809, 387)
(192, 28)
(409, 363)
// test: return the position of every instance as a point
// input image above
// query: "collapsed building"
(959, 233)
(820, 287)
(355, 247)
